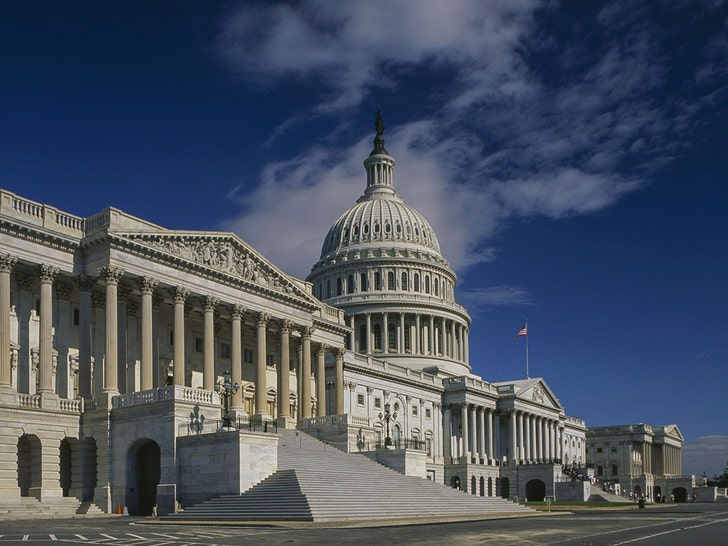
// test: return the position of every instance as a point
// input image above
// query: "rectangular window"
(224, 350)
(171, 336)
(614, 449)
(414, 411)
(428, 413)
(270, 362)
(599, 450)
(248, 356)
(600, 470)
(377, 402)
(360, 399)
(76, 316)
(199, 344)
(614, 470)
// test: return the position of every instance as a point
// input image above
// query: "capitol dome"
(381, 263)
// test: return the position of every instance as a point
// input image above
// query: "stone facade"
(117, 337)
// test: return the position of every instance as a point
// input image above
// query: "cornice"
(393, 378)
(39, 237)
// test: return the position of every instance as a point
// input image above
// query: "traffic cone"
(118, 508)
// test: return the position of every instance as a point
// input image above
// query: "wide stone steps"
(32, 508)
(597, 495)
(316, 482)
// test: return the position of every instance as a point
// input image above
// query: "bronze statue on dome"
(378, 140)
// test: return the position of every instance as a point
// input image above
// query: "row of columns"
(112, 276)
(672, 460)
(429, 335)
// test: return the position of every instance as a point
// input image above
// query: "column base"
(50, 401)
(8, 396)
(286, 421)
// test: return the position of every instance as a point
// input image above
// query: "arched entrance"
(490, 486)
(680, 494)
(143, 470)
(65, 474)
(505, 488)
(29, 466)
(535, 491)
(658, 493)
(482, 486)
(455, 482)
(474, 485)
(637, 491)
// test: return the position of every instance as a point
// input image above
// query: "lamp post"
(226, 390)
(387, 417)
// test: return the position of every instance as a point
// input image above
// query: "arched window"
(377, 281)
(437, 287)
(355, 230)
(407, 337)
(365, 229)
(363, 282)
(427, 284)
(350, 284)
(416, 282)
(390, 280)
(392, 335)
(346, 233)
(377, 337)
(398, 228)
(376, 227)
(404, 280)
(363, 341)
(339, 289)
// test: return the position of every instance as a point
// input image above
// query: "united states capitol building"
(146, 369)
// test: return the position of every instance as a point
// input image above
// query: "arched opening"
(29, 466)
(535, 491)
(637, 491)
(455, 482)
(658, 493)
(88, 463)
(482, 486)
(680, 494)
(490, 487)
(142, 475)
(505, 488)
(474, 485)
(66, 471)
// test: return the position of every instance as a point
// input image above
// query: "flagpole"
(527, 351)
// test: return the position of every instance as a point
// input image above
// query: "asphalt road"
(692, 525)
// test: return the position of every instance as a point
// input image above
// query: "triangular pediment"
(671, 431)
(534, 391)
(225, 253)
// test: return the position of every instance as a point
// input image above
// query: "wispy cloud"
(480, 300)
(532, 119)
(707, 454)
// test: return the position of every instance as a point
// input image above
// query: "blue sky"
(569, 155)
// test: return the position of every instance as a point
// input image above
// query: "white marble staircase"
(317, 482)
(32, 508)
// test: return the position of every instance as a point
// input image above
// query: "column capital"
(48, 273)
(147, 284)
(237, 311)
(111, 274)
(307, 331)
(285, 326)
(322, 348)
(262, 319)
(340, 353)
(180, 294)
(211, 302)
(7, 262)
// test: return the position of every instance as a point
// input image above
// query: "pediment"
(536, 391)
(672, 431)
(224, 253)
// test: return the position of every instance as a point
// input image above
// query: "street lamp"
(387, 416)
(226, 390)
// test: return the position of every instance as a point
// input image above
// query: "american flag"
(522, 332)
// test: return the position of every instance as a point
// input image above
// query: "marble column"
(180, 295)
(473, 433)
(453, 352)
(385, 333)
(513, 455)
(7, 263)
(401, 336)
(527, 445)
(432, 336)
(465, 431)
(236, 362)
(340, 381)
(369, 334)
(45, 369)
(147, 286)
(489, 436)
(521, 453)
(85, 284)
(261, 383)
(481, 434)
(306, 372)
(417, 349)
(446, 433)
(321, 380)
(111, 358)
(284, 373)
(208, 353)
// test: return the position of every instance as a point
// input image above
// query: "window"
(376, 227)
(404, 281)
(248, 356)
(377, 402)
(377, 337)
(363, 342)
(414, 411)
(365, 229)
(390, 280)
(328, 288)
(171, 336)
(427, 284)
(339, 289)
(614, 469)
(599, 450)
(199, 344)
(428, 413)
(76, 316)
(355, 230)
(270, 361)
(377, 281)
(392, 335)
(363, 282)
(614, 449)
(387, 227)
(406, 337)
(350, 284)
(417, 282)
(600, 470)
(224, 350)
(360, 399)
(437, 287)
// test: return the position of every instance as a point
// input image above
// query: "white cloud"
(504, 137)
(707, 454)
(480, 300)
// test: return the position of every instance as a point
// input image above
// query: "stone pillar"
(45, 369)
(446, 433)
(352, 335)
(560, 440)
(6, 265)
(416, 350)
(236, 362)
(527, 446)
(208, 354)
(340, 381)
(431, 348)
(489, 436)
(401, 336)
(111, 358)
(481, 434)
(284, 374)
(467, 346)
(465, 432)
(85, 284)
(180, 295)
(147, 286)
(473, 432)
(261, 383)
(453, 351)
(521, 453)
(513, 454)
(321, 380)
(306, 372)
(369, 334)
